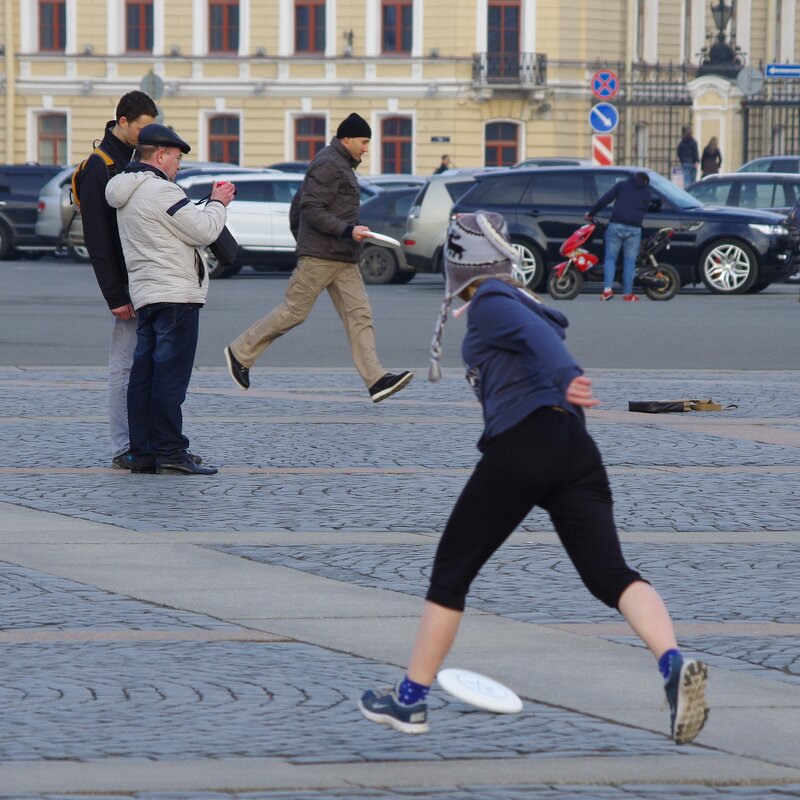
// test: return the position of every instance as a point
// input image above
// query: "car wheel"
(531, 268)
(758, 286)
(404, 276)
(217, 270)
(5, 242)
(728, 267)
(378, 265)
(78, 253)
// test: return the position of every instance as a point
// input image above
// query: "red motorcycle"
(660, 281)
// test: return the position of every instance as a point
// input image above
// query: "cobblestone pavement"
(88, 674)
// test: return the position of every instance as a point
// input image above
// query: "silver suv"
(429, 216)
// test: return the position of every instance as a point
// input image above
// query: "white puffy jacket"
(160, 229)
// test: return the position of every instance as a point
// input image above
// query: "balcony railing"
(512, 70)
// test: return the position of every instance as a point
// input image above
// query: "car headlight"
(770, 230)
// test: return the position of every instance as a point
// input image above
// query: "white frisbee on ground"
(380, 238)
(479, 691)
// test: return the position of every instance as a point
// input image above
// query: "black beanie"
(354, 127)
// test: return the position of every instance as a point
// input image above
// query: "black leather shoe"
(187, 467)
(239, 373)
(195, 458)
(144, 469)
(388, 385)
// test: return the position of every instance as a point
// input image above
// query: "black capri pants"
(548, 460)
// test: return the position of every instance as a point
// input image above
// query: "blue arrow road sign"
(782, 71)
(603, 118)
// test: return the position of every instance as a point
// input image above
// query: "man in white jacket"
(160, 230)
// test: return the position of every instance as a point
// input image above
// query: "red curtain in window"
(396, 145)
(502, 143)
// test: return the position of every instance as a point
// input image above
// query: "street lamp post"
(722, 58)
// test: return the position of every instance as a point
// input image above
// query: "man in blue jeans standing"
(631, 199)
(161, 231)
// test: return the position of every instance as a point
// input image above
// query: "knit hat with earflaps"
(477, 246)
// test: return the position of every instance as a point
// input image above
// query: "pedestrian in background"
(688, 156)
(711, 160)
(444, 166)
(631, 199)
(101, 236)
(324, 220)
(535, 451)
(161, 231)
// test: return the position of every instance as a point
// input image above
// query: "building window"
(396, 145)
(223, 26)
(504, 37)
(51, 138)
(396, 26)
(139, 26)
(223, 139)
(309, 137)
(502, 144)
(52, 25)
(309, 26)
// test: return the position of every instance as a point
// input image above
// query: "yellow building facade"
(255, 82)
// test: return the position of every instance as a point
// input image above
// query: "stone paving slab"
(394, 502)
(537, 583)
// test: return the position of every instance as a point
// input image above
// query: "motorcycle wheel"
(567, 287)
(669, 282)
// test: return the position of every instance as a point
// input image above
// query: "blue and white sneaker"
(686, 694)
(384, 709)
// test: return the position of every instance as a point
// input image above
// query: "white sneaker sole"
(231, 372)
(692, 710)
(376, 398)
(398, 725)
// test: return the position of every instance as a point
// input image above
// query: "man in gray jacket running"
(324, 220)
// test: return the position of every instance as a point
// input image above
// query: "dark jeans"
(548, 460)
(166, 341)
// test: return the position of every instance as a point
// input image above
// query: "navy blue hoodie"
(515, 356)
(631, 200)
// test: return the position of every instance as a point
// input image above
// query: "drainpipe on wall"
(630, 53)
(8, 24)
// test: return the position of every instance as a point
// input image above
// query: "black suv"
(731, 250)
(19, 198)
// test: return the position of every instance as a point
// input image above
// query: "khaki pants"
(346, 289)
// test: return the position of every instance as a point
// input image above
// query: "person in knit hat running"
(324, 220)
(535, 452)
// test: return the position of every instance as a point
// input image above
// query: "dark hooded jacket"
(100, 231)
(325, 210)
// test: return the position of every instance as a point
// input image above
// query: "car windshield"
(674, 195)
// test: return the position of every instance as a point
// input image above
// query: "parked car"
(772, 164)
(290, 166)
(429, 217)
(52, 209)
(19, 197)
(386, 213)
(258, 217)
(552, 161)
(70, 233)
(394, 180)
(773, 191)
(731, 250)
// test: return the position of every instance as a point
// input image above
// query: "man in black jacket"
(324, 220)
(134, 111)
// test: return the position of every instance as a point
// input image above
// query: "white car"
(258, 217)
(53, 209)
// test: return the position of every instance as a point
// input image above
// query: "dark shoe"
(239, 373)
(122, 461)
(143, 469)
(388, 385)
(187, 467)
(384, 709)
(125, 461)
(686, 694)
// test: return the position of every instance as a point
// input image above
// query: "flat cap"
(162, 136)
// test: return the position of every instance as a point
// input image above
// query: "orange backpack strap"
(111, 168)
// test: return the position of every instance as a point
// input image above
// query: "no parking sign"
(605, 84)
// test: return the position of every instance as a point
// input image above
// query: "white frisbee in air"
(479, 691)
(380, 238)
